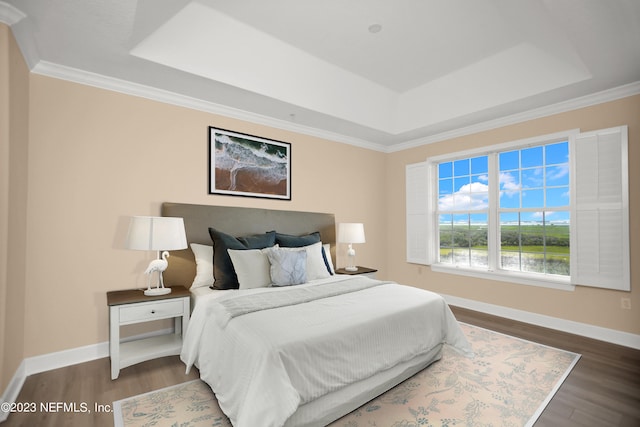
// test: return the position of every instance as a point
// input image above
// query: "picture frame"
(248, 165)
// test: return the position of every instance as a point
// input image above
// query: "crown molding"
(22, 32)
(608, 95)
(104, 82)
(9, 14)
(123, 86)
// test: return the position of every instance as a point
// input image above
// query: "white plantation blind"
(600, 209)
(417, 212)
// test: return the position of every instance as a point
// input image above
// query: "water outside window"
(533, 210)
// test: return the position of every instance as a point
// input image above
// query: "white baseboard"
(60, 359)
(583, 329)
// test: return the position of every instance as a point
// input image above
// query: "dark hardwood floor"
(602, 390)
(91, 383)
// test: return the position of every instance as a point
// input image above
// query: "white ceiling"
(435, 67)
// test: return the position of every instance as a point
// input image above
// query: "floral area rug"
(508, 383)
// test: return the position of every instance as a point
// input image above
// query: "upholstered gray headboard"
(237, 222)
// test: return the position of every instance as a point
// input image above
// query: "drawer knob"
(153, 312)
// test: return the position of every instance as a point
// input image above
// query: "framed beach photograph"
(248, 165)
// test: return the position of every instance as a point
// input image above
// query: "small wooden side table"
(132, 306)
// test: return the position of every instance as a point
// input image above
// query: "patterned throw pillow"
(287, 267)
(316, 262)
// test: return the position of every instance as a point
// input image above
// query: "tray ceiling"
(431, 68)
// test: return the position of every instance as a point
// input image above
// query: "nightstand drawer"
(151, 311)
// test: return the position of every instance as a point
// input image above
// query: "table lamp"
(350, 233)
(162, 234)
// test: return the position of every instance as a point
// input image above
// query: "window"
(463, 212)
(532, 208)
(507, 211)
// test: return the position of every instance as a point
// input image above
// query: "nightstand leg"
(177, 325)
(114, 341)
(186, 312)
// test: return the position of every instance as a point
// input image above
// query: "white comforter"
(263, 364)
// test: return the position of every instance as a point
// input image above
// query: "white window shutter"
(600, 209)
(417, 212)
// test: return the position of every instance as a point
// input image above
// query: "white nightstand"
(132, 306)
(365, 271)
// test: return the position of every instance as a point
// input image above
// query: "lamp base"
(151, 292)
(351, 268)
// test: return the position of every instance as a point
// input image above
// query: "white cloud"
(508, 184)
(541, 215)
(557, 172)
(474, 196)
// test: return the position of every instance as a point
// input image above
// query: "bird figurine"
(157, 265)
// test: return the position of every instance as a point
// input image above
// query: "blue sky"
(534, 177)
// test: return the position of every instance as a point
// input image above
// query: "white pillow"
(204, 265)
(327, 252)
(251, 266)
(316, 268)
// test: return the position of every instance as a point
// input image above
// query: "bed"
(302, 354)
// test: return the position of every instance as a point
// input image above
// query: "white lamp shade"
(154, 233)
(351, 232)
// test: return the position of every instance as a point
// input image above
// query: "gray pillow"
(287, 267)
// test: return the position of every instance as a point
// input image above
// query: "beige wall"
(97, 157)
(4, 195)
(14, 77)
(587, 305)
